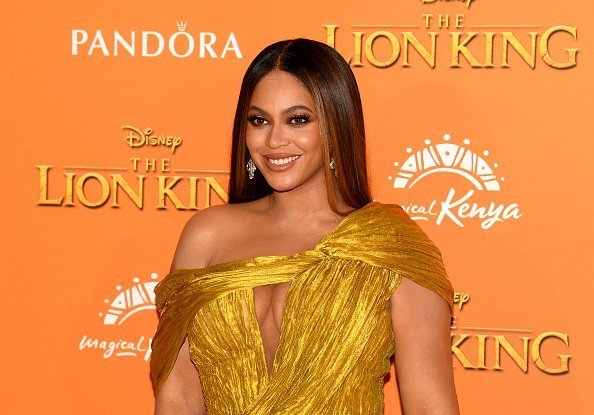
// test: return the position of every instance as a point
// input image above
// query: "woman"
(292, 298)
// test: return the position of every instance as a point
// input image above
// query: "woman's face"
(283, 134)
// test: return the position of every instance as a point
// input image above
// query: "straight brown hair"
(333, 87)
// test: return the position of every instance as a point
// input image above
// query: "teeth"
(283, 161)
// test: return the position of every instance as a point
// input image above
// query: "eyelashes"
(301, 116)
(257, 120)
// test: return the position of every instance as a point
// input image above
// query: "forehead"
(278, 90)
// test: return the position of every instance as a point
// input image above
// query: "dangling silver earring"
(333, 167)
(251, 168)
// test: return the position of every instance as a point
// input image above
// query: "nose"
(276, 137)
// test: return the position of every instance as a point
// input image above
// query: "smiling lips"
(281, 161)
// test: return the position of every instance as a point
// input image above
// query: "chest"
(269, 303)
(264, 318)
(272, 325)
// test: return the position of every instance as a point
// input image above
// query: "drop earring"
(332, 166)
(251, 168)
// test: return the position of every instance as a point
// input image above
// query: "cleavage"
(269, 303)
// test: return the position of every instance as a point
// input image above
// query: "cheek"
(310, 142)
(255, 141)
(254, 138)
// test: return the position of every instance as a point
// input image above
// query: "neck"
(306, 202)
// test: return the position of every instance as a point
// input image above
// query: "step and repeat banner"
(116, 125)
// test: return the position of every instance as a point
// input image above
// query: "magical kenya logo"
(479, 175)
(116, 337)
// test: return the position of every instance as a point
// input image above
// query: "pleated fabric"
(336, 337)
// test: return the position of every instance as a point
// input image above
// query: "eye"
(256, 120)
(299, 119)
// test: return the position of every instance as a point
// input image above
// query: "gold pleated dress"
(336, 336)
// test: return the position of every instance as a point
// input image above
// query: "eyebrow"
(290, 109)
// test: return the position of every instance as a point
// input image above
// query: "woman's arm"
(181, 394)
(423, 356)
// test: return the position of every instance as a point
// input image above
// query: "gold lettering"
(69, 187)
(458, 48)
(137, 138)
(369, 48)
(418, 46)
(521, 361)
(544, 48)
(481, 361)
(489, 49)
(80, 189)
(461, 46)
(134, 161)
(78, 192)
(459, 354)
(43, 188)
(529, 57)
(193, 192)
(212, 183)
(427, 18)
(166, 190)
(537, 356)
(150, 165)
(467, 2)
(331, 34)
(136, 197)
(357, 50)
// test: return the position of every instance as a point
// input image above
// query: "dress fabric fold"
(336, 336)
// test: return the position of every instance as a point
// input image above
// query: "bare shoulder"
(413, 299)
(209, 229)
(199, 237)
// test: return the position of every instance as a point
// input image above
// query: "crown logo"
(140, 296)
(181, 26)
(451, 158)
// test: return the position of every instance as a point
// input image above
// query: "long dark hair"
(333, 87)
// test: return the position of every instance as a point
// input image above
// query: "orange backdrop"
(485, 139)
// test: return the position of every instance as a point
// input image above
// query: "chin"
(283, 185)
